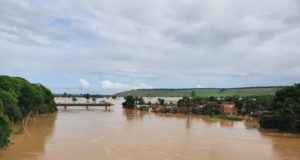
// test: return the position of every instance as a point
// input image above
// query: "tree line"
(20, 99)
(71, 95)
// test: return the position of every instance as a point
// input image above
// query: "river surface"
(117, 134)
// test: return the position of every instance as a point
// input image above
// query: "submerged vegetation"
(20, 99)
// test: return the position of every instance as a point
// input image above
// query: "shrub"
(210, 110)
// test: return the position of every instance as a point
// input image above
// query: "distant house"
(228, 108)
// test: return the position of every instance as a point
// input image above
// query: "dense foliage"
(210, 110)
(20, 98)
(286, 108)
(5, 128)
(139, 100)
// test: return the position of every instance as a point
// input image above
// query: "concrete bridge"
(101, 104)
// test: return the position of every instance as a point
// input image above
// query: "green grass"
(202, 92)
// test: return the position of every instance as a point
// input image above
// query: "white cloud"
(108, 85)
(199, 86)
(84, 83)
(168, 44)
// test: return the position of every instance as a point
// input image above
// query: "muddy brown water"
(117, 134)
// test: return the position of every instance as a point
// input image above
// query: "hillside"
(203, 92)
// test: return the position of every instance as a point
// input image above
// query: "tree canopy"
(129, 102)
(286, 108)
(19, 98)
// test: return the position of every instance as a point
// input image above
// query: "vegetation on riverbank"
(286, 109)
(20, 99)
(202, 92)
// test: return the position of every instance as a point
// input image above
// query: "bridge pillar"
(87, 107)
(65, 107)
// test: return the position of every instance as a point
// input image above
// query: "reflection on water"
(227, 123)
(31, 143)
(251, 123)
(77, 133)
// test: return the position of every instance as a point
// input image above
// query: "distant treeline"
(203, 92)
(172, 89)
(82, 95)
(19, 99)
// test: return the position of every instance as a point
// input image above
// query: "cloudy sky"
(106, 46)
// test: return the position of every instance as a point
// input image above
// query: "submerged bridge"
(87, 105)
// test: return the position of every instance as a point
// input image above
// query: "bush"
(210, 110)
(269, 122)
(286, 105)
(285, 123)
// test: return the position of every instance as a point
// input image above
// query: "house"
(228, 108)
(170, 109)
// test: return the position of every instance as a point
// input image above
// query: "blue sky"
(104, 47)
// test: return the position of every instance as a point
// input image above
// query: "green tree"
(74, 99)
(141, 100)
(5, 129)
(87, 97)
(11, 108)
(286, 108)
(211, 98)
(185, 102)
(265, 102)
(249, 105)
(94, 99)
(161, 101)
(129, 102)
(210, 110)
(18, 99)
(114, 97)
(1, 108)
(193, 94)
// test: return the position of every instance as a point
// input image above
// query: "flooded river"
(117, 134)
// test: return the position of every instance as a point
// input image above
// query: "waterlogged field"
(77, 133)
